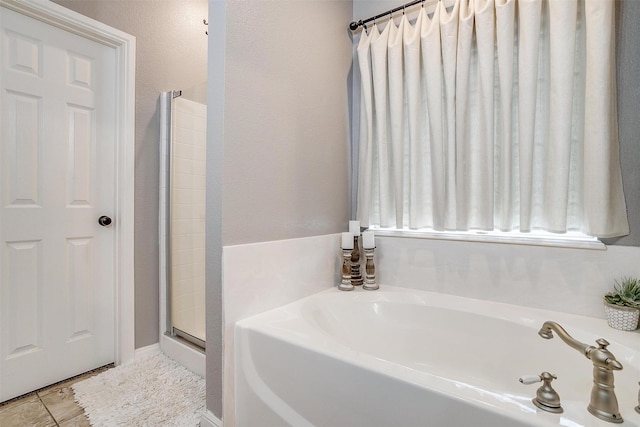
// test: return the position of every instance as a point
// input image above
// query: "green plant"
(626, 293)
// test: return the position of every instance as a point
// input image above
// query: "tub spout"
(604, 404)
(546, 332)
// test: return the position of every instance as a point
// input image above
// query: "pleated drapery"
(492, 115)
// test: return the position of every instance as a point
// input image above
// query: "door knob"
(104, 221)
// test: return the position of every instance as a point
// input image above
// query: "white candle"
(354, 228)
(368, 241)
(347, 240)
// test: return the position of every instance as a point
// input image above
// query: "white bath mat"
(151, 390)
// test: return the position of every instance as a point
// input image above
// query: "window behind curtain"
(483, 115)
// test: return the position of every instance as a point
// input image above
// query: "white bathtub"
(399, 357)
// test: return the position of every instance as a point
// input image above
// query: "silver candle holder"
(346, 285)
(370, 271)
(356, 276)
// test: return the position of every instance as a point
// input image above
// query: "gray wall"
(628, 75)
(197, 93)
(278, 144)
(171, 54)
(285, 120)
(213, 239)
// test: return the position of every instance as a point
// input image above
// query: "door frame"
(125, 47)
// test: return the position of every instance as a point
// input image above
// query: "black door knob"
(104, 221)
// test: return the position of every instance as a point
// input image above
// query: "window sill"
(537, 238)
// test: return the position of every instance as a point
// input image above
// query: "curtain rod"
(355, 24)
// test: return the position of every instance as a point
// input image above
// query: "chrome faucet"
(604, 403)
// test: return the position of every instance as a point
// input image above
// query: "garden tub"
(401, 357)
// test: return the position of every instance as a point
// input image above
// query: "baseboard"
(147, 349)
(210, 420)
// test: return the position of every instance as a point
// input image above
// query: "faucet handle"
(530, 379)
(546, 398)
(603, 357)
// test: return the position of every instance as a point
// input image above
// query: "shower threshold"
(188, 339)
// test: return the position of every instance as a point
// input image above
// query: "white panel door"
(57, 176)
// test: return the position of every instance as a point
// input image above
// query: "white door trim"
(125, 48)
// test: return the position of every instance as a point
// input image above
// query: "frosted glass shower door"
(187, 218)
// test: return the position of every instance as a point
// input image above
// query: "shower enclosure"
(182, 225)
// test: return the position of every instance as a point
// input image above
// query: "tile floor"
(52, 406)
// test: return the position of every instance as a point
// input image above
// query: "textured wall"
(278, 108)
(628, 75)
(171, 54)
(213, 226)
(285, 120)
(197, 93)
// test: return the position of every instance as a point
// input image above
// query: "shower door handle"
(104, 221)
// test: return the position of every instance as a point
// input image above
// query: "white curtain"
(492, 115)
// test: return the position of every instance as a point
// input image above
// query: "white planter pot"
(622, 318)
